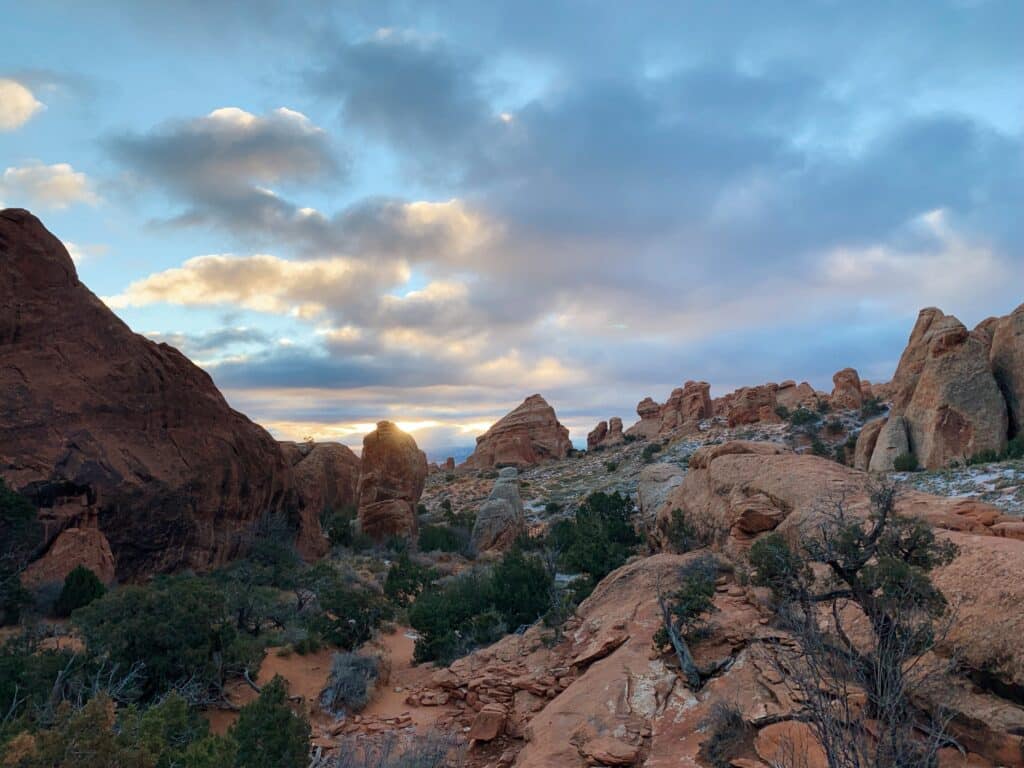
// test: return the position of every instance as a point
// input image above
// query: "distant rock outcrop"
(947, 404)
(391, 481)
(846, 392)
(99, 423)
(326, 478)
(524, 437)
(500, 520)
(650, 420)
(606, 434)
(687, 405)
(1006, 358)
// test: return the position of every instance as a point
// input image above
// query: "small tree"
(81, 587)
(269, 734)
(683, 612)
(877, 578)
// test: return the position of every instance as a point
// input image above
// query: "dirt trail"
(389, 700)
(307, 675)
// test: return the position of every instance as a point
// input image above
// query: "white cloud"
(17, 104)
(47, 186)
(263, 283)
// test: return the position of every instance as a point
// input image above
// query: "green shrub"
(871, 407)
(81, 587)
(20, 532)
(348, 615)
(441, 538)
(599, 538)
(684, 534)
(1015, 448)
(406, 579)
(178, 627)
(782, 412)
(611, 466)
(986, 456)
(834, 427)
(649, 451)
(552, 507)
(519, 587)
(906, 462)
(479, 607)
(820, 448)
(824, 406)
(269, 734)
(340, 526)
(803, 417)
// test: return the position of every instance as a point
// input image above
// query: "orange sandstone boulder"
(846, 392)
(650, 420)
(326, 478)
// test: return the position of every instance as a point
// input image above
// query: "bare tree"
(858, 599)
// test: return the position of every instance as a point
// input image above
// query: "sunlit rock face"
(105, 429)
(524, 437)
(391, 481)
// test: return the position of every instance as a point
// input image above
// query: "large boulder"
(867, 439)
(500, 520)
(100, 424)
(1006, 358)
(946, 396)
(846, 390)
(650, 420)
(526, 436)
(391, 479)
(326, 478)
(606, 434)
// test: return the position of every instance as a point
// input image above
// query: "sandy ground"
(307, 675)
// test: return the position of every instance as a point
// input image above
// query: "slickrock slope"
(98, 422)
(326, 477)
(947, 405)
(526, 436)
(391, 481)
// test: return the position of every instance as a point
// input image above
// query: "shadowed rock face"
(97, 421)
(522, 438)
(326, 477)
(391, 481)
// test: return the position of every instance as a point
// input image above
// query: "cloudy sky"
(426, 211)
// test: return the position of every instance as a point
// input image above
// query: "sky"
(426, 211)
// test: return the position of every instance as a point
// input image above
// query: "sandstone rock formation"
(606, 434)
(866, 442)
(72, 547)
(792, 395)
(326, 477)
(597, 435)
(1006, 358)
(500, 520)
(526, 436)
(947, 405)
(391, 479)
(98, 422)
(751, 405)
(846, 392)
(650, 420)
(687, 405)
